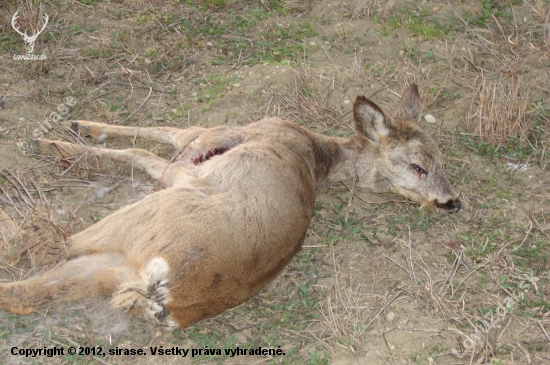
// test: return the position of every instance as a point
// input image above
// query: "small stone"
(429, 118)
(59, 72)
(390, 316)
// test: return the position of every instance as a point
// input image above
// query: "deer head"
(29, 40)
(408, 161)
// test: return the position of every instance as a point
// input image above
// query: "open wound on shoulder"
(204, 157)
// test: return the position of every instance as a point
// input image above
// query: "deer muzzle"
(452, 205)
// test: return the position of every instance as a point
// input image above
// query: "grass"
(215, 86)
(488, 10)
(423, 25)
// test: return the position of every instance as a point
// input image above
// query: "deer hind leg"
(90, 275)
(143, 292)
(148, 295)
(144, 160)
(174, 136)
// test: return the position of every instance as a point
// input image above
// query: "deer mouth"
(451, 206)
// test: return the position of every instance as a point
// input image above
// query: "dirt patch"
(376, 282)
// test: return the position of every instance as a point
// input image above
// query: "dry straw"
(500, 110)
(368, 8)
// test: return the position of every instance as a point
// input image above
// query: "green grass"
(422, 25)
(489, 8)
(252, 34)
(513, 149)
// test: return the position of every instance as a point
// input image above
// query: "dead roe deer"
(235, 209)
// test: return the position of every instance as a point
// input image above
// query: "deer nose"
(456, 205)
(452, 205)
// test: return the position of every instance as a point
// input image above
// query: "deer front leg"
(144, 160)
(174, 136)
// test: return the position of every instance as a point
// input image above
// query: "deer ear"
(370, 120)
(410, 105)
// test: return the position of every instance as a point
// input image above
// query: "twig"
(133, 161)
(330, 59)
(5, 193)
(73, 164)
(389, 349)
(470, 274)
(407, 271)
(449, 280)
(351, 194)
(410, 257)
(522, 242)
(139, 107)
(543, 330)
(98, 88)
(381, 310)
(7, 174)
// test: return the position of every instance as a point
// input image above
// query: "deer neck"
(342, 159)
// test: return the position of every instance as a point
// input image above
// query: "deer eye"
(419, 169)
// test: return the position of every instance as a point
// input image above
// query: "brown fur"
(226, 225)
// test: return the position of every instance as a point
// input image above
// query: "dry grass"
(341, 313)
(307, 100)
(368, 8)
(25, 200)
(541, 9)
(500, 109)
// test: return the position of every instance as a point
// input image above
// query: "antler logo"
(29, 40)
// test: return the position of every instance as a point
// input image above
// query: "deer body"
(227, 222)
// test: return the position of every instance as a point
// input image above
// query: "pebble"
(429, 118)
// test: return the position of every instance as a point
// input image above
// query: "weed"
(316, 358)
(215, 87)
(421, 24)
(489, 9)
